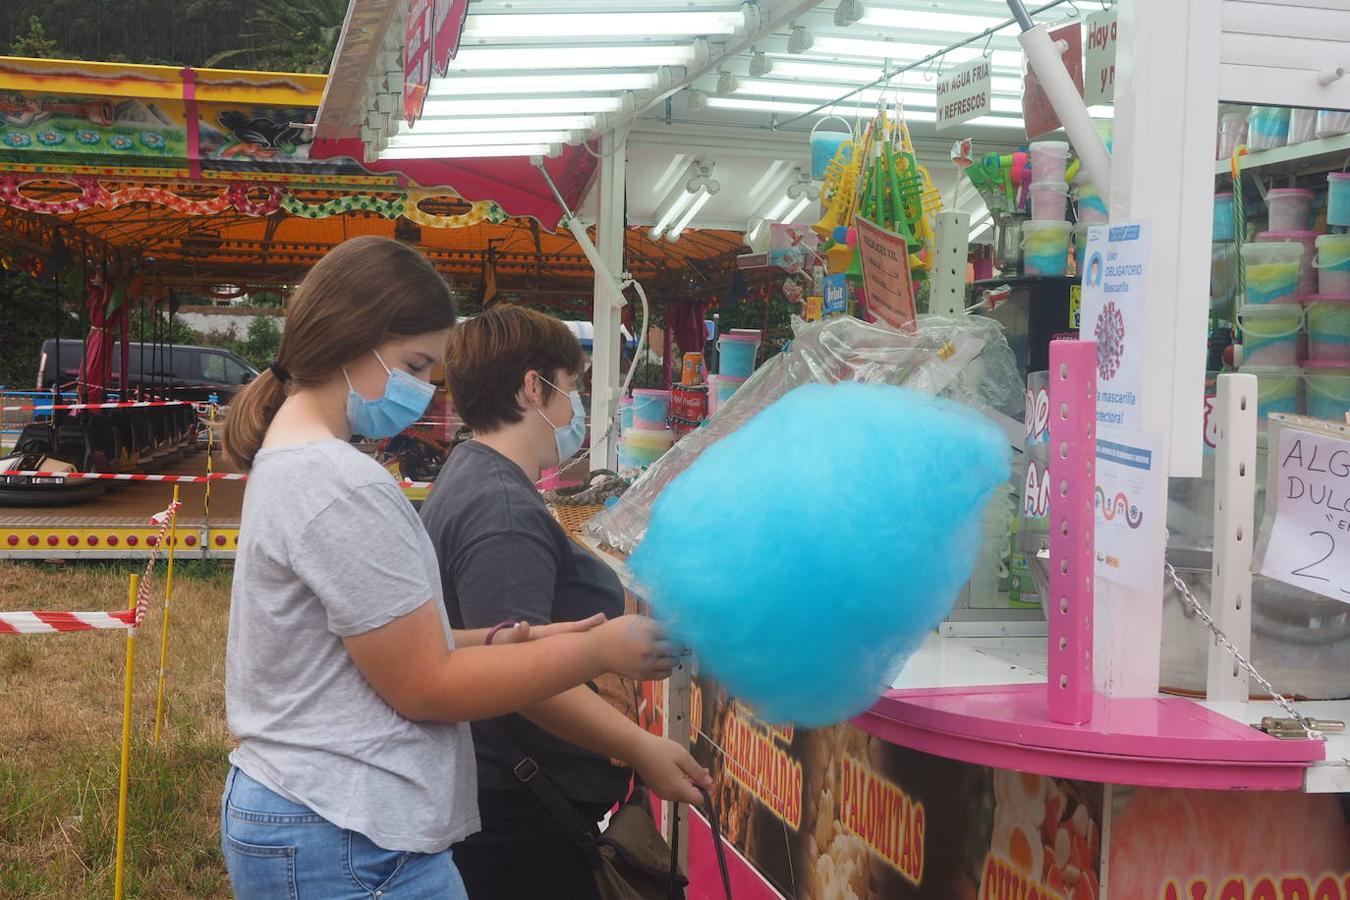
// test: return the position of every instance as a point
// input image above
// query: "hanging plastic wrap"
(964, 358)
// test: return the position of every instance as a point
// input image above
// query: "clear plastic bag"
(965, 358)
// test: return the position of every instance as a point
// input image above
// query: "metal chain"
(1280, 700)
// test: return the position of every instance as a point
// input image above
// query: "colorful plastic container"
(1307, 272)
(651, 409)
(1048, 160)
(1091, 207)
(1045, 247)
(1302, 125)
(1277, 389)
(1049, 200)
(1232, 133)
(1333, 263)
(1338, 198)
(1267, 127)
(736, 354)
(1331, 122)
(1290, 208)
(825, 145)
(1328, 389)
(642, 446)
(625, 414)
(1270, 335)
(1329, 331)
(720, 389)
(1272, 271)
(1225, 228)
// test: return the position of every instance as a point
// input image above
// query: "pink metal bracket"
(1073, 479)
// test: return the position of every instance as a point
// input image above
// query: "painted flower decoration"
(85, 136)
(120, 142)
(18, 139)
(51, 138)
(152, 140)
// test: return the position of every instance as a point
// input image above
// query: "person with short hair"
(512, 374)
(344, 684)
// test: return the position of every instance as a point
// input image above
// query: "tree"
(31, 312)
(262, 343)
(292, 35)
(34, 42)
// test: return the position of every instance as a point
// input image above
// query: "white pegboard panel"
(948, 275)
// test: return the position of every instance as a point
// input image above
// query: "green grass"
(60, 737)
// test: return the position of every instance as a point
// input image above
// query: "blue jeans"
(276, 849)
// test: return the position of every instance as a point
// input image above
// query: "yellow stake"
(164, 629)
(123, 783)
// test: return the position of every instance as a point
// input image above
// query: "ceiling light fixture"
(515, 26)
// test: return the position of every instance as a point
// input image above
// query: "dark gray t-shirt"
(505, 558)
(330, 548)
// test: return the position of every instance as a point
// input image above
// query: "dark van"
(182, 372)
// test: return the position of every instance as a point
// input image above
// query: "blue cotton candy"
(805, 556)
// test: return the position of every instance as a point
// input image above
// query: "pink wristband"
(492, 632)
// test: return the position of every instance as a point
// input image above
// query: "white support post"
(1167, 76)
(1234, 523)
(947, 285)
(609, 234)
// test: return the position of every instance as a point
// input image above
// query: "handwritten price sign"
(1310, 542)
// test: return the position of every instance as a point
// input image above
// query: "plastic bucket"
(1225, 228)
(1329, 332)
(1049, 199)
(1328, 391)
(1272, 271)
(1338, 198)
(651, 409)
(1048, 160)
(1331, 122)
(1307, 272)
(1333, 264)
(1302, 125)
(736, 354)
(1270, 336)
(825, 145)
(625, 414)
(1232, 133)
(1276, 389)
(642, 446)
(1045, 247)
(720, 389)
(1267, 127)
(1289, 208)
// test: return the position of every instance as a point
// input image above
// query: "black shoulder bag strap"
(528, 773)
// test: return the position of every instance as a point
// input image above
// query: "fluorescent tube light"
(600, 25)
(517, 59)
(456, 87)
(700, 200)
(515, 106)
(446, 152)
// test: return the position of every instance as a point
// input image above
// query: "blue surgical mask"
(404, 400)
(567, 439)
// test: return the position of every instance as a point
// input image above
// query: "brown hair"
(488, 356)
(361, 293)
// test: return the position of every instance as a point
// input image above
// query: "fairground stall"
(1142, 690)
(132, 187)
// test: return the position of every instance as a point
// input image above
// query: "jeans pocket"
(259, 872)
(372, 867)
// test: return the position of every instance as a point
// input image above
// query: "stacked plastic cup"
(1049, 190)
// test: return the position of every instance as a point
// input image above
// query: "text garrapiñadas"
(759, 766)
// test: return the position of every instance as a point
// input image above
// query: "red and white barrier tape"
(37, 622)
(176, 479)
(52, 407)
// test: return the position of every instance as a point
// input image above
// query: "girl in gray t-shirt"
(345, 686)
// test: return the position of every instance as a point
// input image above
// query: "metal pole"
(1020, 15)
(164, 630)
(123, 784)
